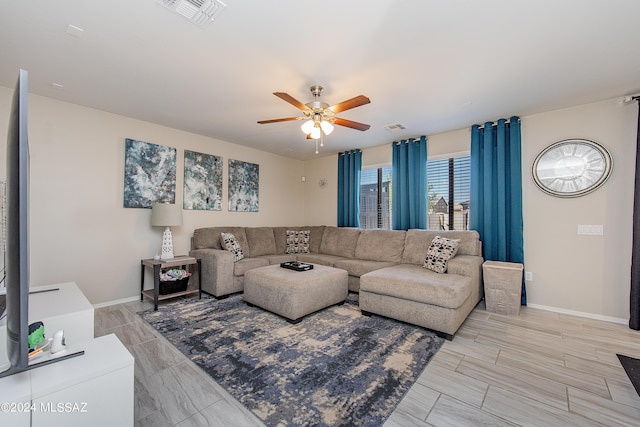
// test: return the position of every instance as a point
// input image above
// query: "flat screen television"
(17, 238)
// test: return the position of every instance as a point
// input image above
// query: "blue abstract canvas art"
(202, 181)
(243, 186)
(149, 174)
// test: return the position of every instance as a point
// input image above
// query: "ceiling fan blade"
(350, 124)
(291, 100)
(286, 119)
(350, 103)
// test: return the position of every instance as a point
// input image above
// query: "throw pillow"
(230, 243)
(440, 252)
(297, 242)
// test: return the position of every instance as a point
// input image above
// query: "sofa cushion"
(440, 252)
(322, 259)
(209, 237)
(315, 240)
(279, 259)
(339, 241)
(261, 241)
(414, 283)
(280, 235)
(359, 267)
(298, 242)
(230, 243)
(417, 242)
(246, 264)
(380, 245)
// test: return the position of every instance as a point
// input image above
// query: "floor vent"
(200, 12)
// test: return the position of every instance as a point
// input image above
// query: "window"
(448, 193)
(375, 198)
(447, 180)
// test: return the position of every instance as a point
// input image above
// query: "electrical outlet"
(528, 276)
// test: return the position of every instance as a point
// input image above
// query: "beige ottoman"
(294, 294)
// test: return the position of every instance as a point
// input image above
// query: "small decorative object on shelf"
(297, 266)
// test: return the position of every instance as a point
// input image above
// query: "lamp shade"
(166, 215)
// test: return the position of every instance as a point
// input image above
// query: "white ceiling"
(431, 65)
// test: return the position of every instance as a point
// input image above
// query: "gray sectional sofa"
(384, 266)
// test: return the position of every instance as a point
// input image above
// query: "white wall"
(79, 230)
(321, 202)
(588, 274)
(577, 274)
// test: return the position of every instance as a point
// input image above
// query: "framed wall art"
(202, 181)
(244, 181)
(149, 174)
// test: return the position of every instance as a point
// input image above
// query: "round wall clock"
(572, 168)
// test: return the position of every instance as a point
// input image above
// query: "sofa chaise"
(384, 266)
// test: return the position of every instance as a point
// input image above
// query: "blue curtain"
(349, 168)
(496, 190)
(409, 184)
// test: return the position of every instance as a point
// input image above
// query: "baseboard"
(580, 314)
(120, 301)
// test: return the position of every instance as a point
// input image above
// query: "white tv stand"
(93, 389)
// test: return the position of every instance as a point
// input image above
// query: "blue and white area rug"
(334, 368)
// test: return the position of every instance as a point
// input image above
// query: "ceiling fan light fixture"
(327, 127)
(307, 127)
(315, 133)
(319, 117)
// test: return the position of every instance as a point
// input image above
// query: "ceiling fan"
(319, 116)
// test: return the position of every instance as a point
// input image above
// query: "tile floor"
(536, 369)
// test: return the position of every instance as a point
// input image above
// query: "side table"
(157, 265)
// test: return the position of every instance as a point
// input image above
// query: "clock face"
(572, 168)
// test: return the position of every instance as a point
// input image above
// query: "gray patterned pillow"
(297, 242)
(440, 252)
(230, 243)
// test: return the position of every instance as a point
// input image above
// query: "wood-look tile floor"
(536, 369)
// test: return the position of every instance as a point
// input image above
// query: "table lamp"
(166, 215)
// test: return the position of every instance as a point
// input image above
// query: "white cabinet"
(94, 389)
(15, 393)
(65, 308)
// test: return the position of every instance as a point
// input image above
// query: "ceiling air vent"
(200, 12)
(394, 127)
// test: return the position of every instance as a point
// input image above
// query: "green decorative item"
(36, 334)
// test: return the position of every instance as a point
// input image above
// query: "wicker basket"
(173, 286)
(502, 287)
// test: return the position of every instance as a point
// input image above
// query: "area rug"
(334, 368)
(632, 368)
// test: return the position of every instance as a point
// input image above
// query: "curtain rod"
(495, 123)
